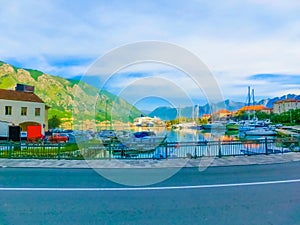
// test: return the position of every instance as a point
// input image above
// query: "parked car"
(107, 134)
(23, 135)
(58, 138)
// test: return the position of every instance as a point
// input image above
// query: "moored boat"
(260, 132)
(215, 125)
(142, 141)
(232, 126)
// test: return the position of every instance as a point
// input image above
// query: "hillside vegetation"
(63, 95)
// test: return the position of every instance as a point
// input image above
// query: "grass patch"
(69, 147)
(35, 74)
(59, 113)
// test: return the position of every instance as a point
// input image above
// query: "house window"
(8, 110)
(37, 111)
(23, 111)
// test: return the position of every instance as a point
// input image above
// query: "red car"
(58, 138)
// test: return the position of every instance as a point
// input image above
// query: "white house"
(286, 105)
(22, 107)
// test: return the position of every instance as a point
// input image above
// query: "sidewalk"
(149, 163)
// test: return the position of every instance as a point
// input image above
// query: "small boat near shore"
(142, 141)
(214, 126)
(232, 125)
(260, 132)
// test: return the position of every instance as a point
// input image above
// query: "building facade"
(23, 108)
(286, 105)
(146, 121)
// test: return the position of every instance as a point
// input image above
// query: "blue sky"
(250, 42)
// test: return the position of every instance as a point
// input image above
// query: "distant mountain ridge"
(60, 94)
(168, 113)
(270, 101)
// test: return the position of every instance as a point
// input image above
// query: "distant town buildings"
(145, 121)
(206, 116)
(252, 108)
(286, 105)
(223, 114)
(23, 107)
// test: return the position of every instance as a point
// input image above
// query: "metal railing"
(166, 150)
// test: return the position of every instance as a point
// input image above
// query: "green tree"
(291, 117)
(202, 121)
(241, 115)
(262, 115)
(54, 122)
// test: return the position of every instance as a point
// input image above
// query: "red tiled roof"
(222, 111)
(286, 100)
(254, 107)
(19, 96)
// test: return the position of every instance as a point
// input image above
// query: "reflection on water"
(201, 135)
(184, 135)
(189, 135)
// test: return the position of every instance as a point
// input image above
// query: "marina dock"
(292, 131)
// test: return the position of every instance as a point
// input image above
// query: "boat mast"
(193, 113)
(179, 114)
(196, 113)
(249, 100)
(254, 116)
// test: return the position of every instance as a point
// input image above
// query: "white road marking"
(153, 188)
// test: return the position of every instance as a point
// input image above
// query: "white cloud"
(235, 39)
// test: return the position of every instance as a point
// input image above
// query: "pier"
(292, 131)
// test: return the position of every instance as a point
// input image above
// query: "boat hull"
(213, 126)
(260, 133)
(143, 144)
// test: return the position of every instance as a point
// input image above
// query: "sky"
(242, 43)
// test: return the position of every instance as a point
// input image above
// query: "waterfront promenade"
(151, 163)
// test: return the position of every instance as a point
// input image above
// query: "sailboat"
(255, 127)
(214, 126)
(232, 125)
(261, 131)
(179, 124)
(248, 124)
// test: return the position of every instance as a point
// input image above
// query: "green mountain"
(67, 98)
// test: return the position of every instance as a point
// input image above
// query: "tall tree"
(54, 122)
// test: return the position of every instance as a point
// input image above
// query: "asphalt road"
(257, 194)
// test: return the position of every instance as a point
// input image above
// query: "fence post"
(266, 145)
(109, 149)
(166, 149)
(58, 150)
(10, 149)
(219, 147)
